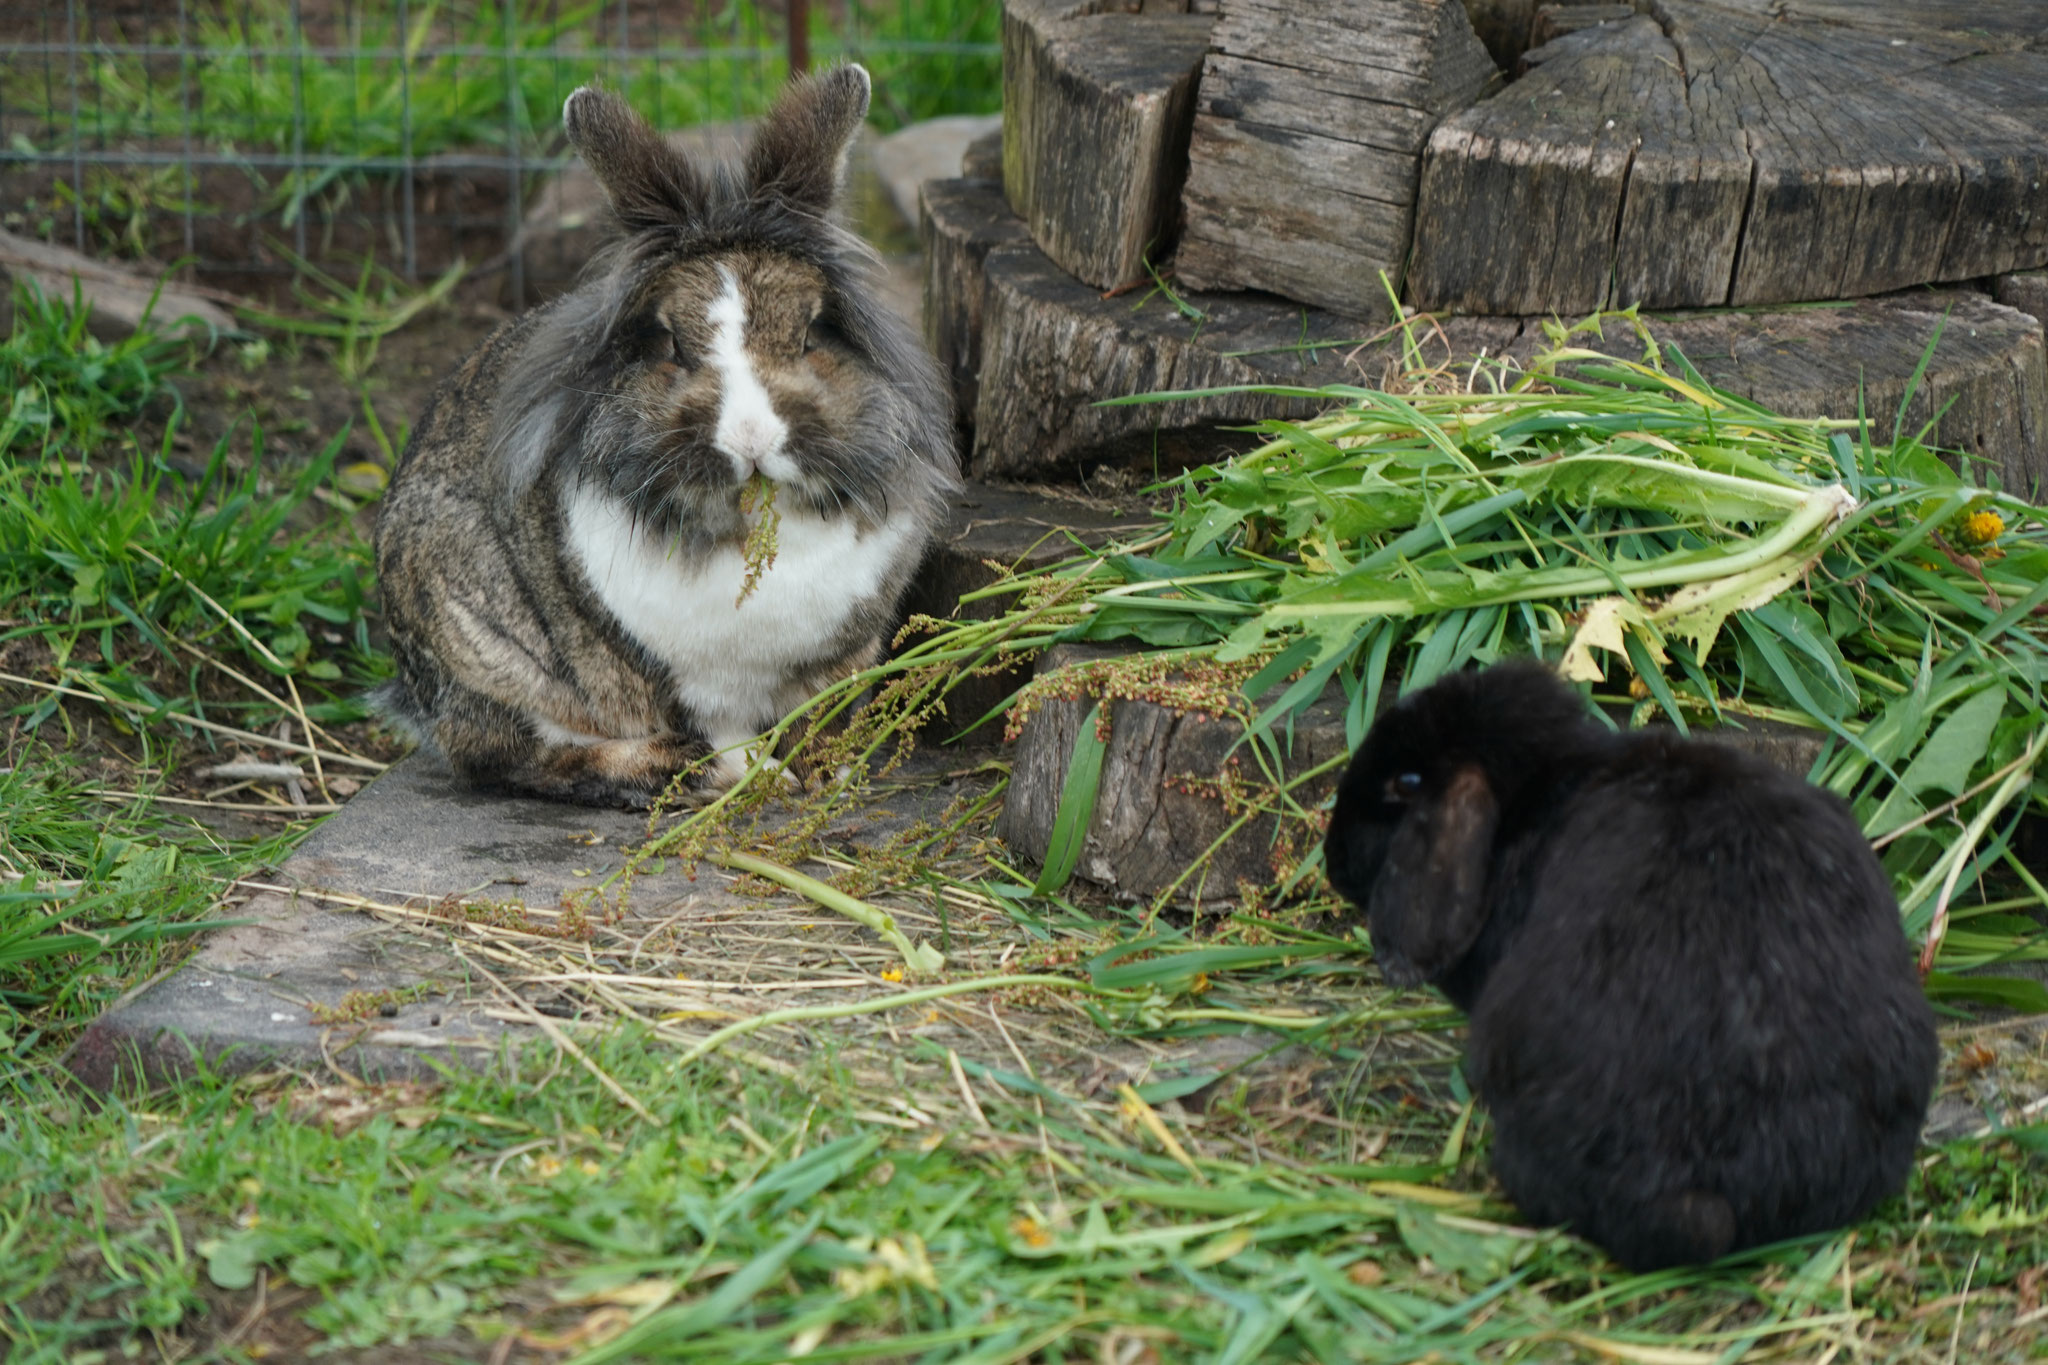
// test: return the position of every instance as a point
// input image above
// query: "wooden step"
(1051, 348)
(1709, 152)
(1097, 100)
(959, 223)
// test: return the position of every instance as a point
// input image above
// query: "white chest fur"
(734, 665)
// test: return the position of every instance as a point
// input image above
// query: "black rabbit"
(1694, 1015)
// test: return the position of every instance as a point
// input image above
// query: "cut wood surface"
(1745, 151)
(1052, 348)
(959, 222)
(1097, 99)
(1308, 138)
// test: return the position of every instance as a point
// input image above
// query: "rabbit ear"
(799, 153)
(648, 181)
(1427, 903)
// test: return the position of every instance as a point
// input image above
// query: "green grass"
(749, 1220)
(147, 612)
(761, 1216)
(492, 77)
(132, 574)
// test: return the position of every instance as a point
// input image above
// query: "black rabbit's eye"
(1404, 786)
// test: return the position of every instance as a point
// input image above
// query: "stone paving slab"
(414, 837)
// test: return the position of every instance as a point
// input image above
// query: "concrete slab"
(314, 978)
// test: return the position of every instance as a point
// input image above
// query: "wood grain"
(959, 223)
(1097, 100)
(1746, 152)
(1307, 142)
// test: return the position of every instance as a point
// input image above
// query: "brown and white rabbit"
(1695, 1020)
(562, 548)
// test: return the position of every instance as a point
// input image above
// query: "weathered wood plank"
(1097, 100)
(1307, 142)
(959, 223)
(1748, 152)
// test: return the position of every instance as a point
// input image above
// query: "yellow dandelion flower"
(1031, 1232)
(547, 1166)
(893, 974)
(590, 1167)
(1199, 984)
(1981, 528)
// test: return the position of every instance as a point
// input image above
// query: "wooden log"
(1155, 809)
(1052, 348)
(959, 222)
(1307, 142)
(1097, 97)
(1987, 369)
(2026, 291)
(1746, 152)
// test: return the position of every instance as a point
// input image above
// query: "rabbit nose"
(749, 438)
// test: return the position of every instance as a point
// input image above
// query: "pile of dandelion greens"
(1690, 557)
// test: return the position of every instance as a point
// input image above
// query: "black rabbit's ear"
(648, 181)
(1428, 902)
(799, 153)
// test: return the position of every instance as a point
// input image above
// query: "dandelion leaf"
(1607, 623)
(1944, 762)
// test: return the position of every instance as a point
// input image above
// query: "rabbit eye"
(820, 334)
(1404, 786)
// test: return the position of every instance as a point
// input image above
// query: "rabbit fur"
(561, 550)
(1694, 1015)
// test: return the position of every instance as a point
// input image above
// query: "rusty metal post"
(799, 36)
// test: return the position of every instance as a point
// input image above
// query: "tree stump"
(1308, 139)
(1156, 808)
(959, 222)
(1745, 152)
(1097, 99)
(1053, 348)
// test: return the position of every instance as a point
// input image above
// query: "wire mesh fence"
(247, 137)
